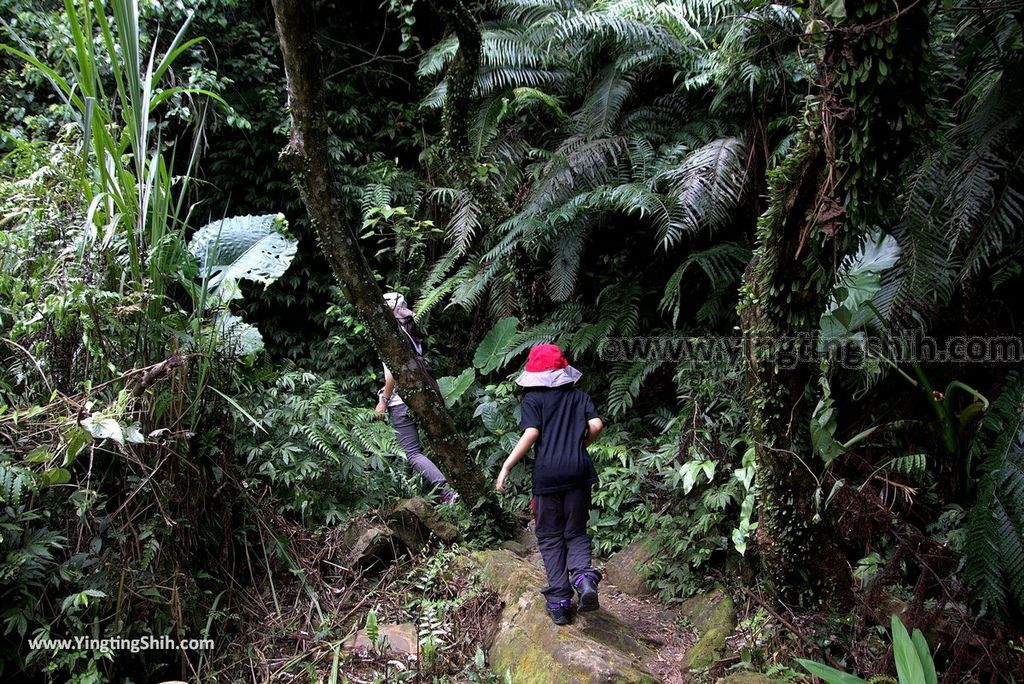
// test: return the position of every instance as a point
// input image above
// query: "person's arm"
(594, 427)
(530, 436)
(389, 389)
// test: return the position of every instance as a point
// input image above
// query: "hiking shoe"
(450, 496)
(586, 588)
(560, 611)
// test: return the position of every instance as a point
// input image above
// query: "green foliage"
(452, 388)
(964, 198)
(722, 264)
(914, 663)
(256, 248)
(695, 492)
(491, 353)
(319, 454)
(994, 550)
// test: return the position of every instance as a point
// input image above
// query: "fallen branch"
(155, 372)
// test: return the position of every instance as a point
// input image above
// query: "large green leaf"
(858, 283)
(823, 425)
(829, 674)
(490, 355)
(925, 656)
(908, 663)
(255, 248)
(453, 387)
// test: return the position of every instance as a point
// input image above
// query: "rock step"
(597, 647)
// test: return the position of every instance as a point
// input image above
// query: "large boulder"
(598, 647)
(713, 616)
(416, 524)
(625, 569)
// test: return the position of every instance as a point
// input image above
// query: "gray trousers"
(409, 440)
(563, 540)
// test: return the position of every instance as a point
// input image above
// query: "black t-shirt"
(561, 415)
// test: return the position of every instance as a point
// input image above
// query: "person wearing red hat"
(560, 421)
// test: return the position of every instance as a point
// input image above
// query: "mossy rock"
(516, 548)
(625, 569)
(416, 523)
(710, 610)
(713, 615)
(597, 647)
(368, 544)
(708, 650)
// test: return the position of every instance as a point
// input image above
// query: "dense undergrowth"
(186, 418)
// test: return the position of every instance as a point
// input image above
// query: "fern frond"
(16, 482)
(629, 377)
(994, 552)
(565, 263)
(709, 185)
(599, 113)
(722, 265)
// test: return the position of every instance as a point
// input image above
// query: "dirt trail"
(655, 625)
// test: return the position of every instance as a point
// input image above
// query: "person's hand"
(381, 407)
(499, 486)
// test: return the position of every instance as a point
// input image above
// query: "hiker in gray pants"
(398, 413)
(409, 440)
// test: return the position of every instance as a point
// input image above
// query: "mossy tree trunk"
(455, 149)
(785, 292)
(307, 156)
(840, 181)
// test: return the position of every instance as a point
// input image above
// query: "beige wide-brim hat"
(550, 378)
(395, 300)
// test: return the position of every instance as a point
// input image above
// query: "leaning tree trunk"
(306, 155)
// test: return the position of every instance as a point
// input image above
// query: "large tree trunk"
(455, 148)
(839, 182)
(784, 298)
(306, 155)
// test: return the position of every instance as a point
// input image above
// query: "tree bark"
(306, 156)
(798, 552)
(831, 190)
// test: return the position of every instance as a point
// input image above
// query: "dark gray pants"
(409, 440)
(563, 540)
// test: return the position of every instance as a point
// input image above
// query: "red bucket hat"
(547, 367)
(545, 357)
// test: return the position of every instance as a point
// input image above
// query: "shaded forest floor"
(447, 608)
